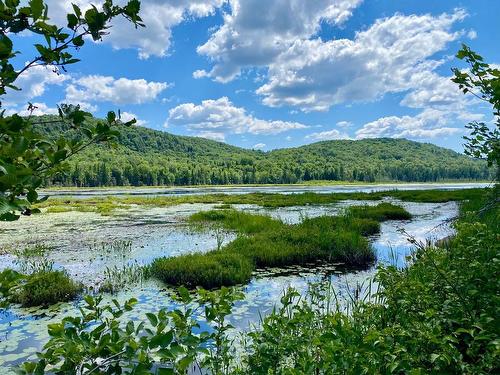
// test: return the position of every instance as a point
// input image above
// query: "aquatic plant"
(117, 278)
(239, 221)
(267, 242)
(44, 288)
(210, 270)
(437, 315)
(270, 200)
(32, 259)
(380, 212)
(9, 279)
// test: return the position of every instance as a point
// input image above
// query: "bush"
(210, 270)
(45, 288)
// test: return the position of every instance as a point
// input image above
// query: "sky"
(276, 73)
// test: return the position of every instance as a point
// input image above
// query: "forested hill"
(149, 157)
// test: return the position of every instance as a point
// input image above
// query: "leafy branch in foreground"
(483, 81)
(168, 342)
(28, 158)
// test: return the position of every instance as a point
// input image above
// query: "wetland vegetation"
(107, 205)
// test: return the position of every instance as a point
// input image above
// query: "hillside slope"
(150, 157)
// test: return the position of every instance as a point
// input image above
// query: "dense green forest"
(149, 157)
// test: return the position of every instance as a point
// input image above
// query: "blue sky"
(278, 73)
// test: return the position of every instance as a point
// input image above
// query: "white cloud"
(390, 56)
(222, 116)
(33, 84)
(344, 124)
(259, 146)
(160, 16)
(127, 116)
(197, 74)
(255, 33)
(214, 136)
(430, 123)
(472, 34)
(95, 88)
(328, 135)
(435, 91)
(39, 109)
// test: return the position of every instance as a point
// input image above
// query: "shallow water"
(161, 231)
(281, 189)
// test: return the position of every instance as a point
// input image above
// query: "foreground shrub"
(209, 270)
(167, 342)
(45, 288)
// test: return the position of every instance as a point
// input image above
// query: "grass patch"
(45, 288)
(267, 242)
(209, 270)
(241, 222)
(381, 212)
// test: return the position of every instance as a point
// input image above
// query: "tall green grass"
(380, 212)
(45, 288)
(265, 242)
(210, 270)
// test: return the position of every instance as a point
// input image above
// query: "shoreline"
(319, 183)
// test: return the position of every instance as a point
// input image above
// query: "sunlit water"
(156, 232)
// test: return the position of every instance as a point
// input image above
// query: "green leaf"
(165, 371)
(5, 47)
(72, 21)
(152, 319)
(37, 8)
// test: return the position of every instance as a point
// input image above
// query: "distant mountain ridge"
(150, 157)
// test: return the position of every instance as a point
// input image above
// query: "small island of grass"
(266, 242)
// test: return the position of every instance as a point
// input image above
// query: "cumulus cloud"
(33, 84)
(221, 116)
(127, 116)
(259, 146)
(96, 88)
(160, 17)
(391, 56)
(254, 33)
(344, 124)
(214, 136)
(39, 109)
(430, 123)
(327, 135)
(435, 91)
